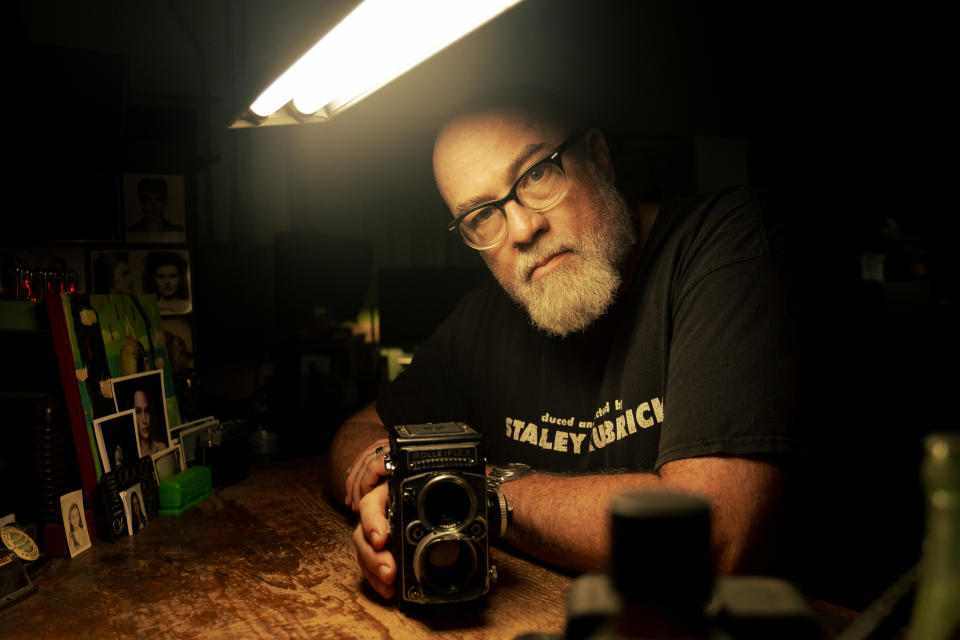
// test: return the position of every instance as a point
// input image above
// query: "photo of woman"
(133, 509)
(137, 518)
(74, 522)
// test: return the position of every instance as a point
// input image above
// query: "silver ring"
(379, 450)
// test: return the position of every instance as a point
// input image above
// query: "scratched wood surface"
(269, 557)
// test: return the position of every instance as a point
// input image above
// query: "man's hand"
(370, 537)
(365, 473)
(354, 469)
(356, 444)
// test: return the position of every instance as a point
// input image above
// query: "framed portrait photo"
(154, 208)
(74, 522)
(165, 274)
(144, 395)
(133, 510)
(169, 463)
(117, 440)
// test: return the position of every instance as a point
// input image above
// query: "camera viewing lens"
(446, 501)
(449, 564)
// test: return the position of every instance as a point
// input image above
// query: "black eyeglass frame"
(554, 157)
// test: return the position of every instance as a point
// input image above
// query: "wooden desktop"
(270, 557)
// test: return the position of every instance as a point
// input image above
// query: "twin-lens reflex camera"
(440, 519)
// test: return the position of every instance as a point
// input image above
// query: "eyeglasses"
(541, 187)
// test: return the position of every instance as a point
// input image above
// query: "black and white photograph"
(169, 463)
(154, 208)
(117, 439)
(133, 509)
(111, 272)
(143, 394)
(166, 274)
(74, 522)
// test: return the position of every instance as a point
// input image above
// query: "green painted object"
(185, 489)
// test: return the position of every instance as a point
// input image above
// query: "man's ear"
(600, 152)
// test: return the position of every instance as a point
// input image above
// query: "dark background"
(833, 115)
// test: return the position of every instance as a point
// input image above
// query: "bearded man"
(627, 348)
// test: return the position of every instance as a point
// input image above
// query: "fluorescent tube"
(378, 41)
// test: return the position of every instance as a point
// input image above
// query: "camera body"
(438, 516)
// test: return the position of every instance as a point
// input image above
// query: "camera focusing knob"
(501, 509)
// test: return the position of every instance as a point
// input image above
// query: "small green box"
(185, 489)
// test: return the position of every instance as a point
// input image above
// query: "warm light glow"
(378, 41)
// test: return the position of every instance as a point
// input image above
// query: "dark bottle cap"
(660, 549)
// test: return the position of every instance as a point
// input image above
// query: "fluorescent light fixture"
(378, 41)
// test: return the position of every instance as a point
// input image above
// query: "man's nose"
(523, 225)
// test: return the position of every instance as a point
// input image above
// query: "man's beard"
(575, 294)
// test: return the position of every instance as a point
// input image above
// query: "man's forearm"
(355, 435)
(564, 520)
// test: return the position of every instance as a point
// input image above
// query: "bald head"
(524, 107)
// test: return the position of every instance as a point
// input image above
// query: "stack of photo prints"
(123, 406)
(139, 449)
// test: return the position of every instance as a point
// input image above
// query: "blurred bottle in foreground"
(936, 611)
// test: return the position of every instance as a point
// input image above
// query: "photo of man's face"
(153, 204)
(168, 280)
(141, 408)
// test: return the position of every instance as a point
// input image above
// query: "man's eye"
(481, 217)
(536, 174)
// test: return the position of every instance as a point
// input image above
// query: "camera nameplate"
(442, 456)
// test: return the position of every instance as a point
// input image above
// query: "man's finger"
(366, 476)
(381, 581)
(373, 519)
(377, 566)
(365, 473)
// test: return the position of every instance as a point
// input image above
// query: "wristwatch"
(500, 510)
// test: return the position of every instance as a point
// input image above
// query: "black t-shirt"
(695, 358)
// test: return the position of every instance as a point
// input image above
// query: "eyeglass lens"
(538, 189)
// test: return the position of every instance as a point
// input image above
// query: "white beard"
(575, 294)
